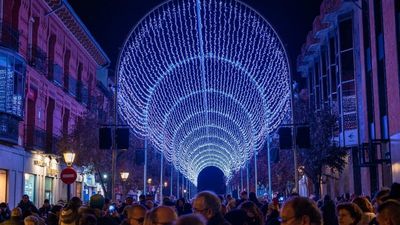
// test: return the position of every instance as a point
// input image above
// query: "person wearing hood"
(69, 215)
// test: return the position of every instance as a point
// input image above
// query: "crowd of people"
(208, 208)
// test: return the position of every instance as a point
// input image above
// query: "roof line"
(85, 29)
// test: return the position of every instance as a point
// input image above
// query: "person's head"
(162, 215)
(128, 200)
(364, 204)
(56, 209)
(135, 214)
(191, 219)
(207, 204)
(228, 197)
(142, 197)
(388, 213)
(31, 220)
(96, 201)
(253, 197)
(150, 197)
(243, 195)
(25, 198)
(46, 202)
(237, 217)
(16, 212)
(88, 219)
(348, 214)
(74, 203)
(300, 210)
(149, 204)
(253, 213)
(380, 195)
(180, 202)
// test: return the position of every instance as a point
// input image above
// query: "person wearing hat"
(69, 215)
(15, 219)
(96, 204)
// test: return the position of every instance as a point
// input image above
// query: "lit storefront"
(29, 186)
(3, 185)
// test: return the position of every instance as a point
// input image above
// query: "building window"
(48, 188)
(3, 185)
(29, 187)
(12, 82)
(380, 46)
(12, 95)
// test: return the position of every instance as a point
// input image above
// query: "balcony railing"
(38, 59)
(39, 139)
(82, 93)
(8, 128)
(9, 36)
(35, 138)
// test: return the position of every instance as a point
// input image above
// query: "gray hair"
(211, 201)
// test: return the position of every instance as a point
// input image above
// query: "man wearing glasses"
(208, 205)
(300, 211)
(135, 214)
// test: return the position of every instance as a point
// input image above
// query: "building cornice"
(71, 20)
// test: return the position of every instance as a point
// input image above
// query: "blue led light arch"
(205, 81)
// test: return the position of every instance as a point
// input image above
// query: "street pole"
(241, 180)
(255, 172)
(247, 179)
(269, 168)
(294, 144)
(171, 180)
(269, 158)
(161, 176)
(114, 144)
(68, 192)
(145, 168)
(177, 184)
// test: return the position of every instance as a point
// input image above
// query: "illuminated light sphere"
(205, 81)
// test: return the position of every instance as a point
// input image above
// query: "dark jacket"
(217, 219)
(27, 206)
(101, 219)
(273, 218)
(44, 211)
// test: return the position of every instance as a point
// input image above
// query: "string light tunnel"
(204, 81)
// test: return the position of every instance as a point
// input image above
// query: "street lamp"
(124, 175)
(165, 184)
(69, 157)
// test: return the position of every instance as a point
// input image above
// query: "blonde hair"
(31, 220)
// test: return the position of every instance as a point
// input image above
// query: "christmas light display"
(205, 81)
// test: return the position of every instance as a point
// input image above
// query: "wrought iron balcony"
(38, 59)
(8, 128)
(9, 36)
(39, 139)
(35, 138)
(82, 93)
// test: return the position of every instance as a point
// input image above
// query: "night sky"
(110, 21)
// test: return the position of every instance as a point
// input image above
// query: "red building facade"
(351, 59)
(49, 68)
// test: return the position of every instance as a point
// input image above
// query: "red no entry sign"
(68, 175)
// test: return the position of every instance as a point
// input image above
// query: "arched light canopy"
(205, 81)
